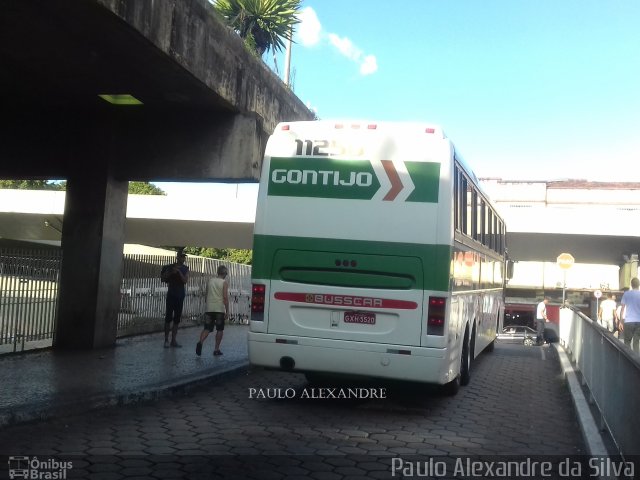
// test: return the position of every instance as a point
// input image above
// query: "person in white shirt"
(630, 315)
(216, 309)
(607, 316)
(541, 318)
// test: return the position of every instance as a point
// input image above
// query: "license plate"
(360, 317)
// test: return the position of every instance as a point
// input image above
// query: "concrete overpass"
(535, 233)
(540, 234)
(598, 222)
(205, 109)
(154, 220)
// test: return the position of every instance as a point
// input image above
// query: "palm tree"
(263, 24)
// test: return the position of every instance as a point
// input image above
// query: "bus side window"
(466, 209)
(483, 222)
(456, 199)
(489, 229)
(472, 207)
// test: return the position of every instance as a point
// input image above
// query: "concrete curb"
(42, 411)
(589, 429)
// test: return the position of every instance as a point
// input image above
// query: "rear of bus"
(352, 252)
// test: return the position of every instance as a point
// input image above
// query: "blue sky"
(527, 90)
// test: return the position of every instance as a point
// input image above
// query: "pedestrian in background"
(619, 317)
(216, 309)
(607, 316)
(630, 315)
(175, 275)
(541, 318)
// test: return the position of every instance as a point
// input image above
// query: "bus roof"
(346, 125)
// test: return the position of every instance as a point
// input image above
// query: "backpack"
(164, 279)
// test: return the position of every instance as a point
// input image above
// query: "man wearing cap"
(176, 276)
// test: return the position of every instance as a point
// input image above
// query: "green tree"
(139, 188)
(263, 24)
(32, 184)
(239, 256)
(145, 188)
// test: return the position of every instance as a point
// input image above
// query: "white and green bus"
(375, 254)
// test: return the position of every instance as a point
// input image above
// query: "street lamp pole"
(287, 58)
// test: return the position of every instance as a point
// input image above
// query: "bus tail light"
(436, 315)
(258, 293)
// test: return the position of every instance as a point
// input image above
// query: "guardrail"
(611, 372)
(29, 295)
(142, 295)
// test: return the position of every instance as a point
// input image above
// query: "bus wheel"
(491, 347)
(465, 360)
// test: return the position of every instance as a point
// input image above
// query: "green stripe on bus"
(426, 178)
(435, 259)
(347, 179)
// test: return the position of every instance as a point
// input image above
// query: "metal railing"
(29, 295)
(611, 372)
(143, 295)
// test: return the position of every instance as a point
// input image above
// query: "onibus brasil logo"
(41, 469)
(384, 180)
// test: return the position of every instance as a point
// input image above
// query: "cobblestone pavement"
(516, 404)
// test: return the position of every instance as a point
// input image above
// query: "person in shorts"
(216, 309)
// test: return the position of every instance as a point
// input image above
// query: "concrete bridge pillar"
(91, 270)
(628, 270)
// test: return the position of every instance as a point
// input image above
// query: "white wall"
(580, 276)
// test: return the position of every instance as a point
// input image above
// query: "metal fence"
(29, 295)
(611, 373)
(143, 295)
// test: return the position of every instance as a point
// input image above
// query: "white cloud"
(369, 65)
(309, 33)
(311, 107)
(345, 47)
(309, 28)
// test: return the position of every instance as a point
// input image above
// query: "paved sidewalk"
(38, 385)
